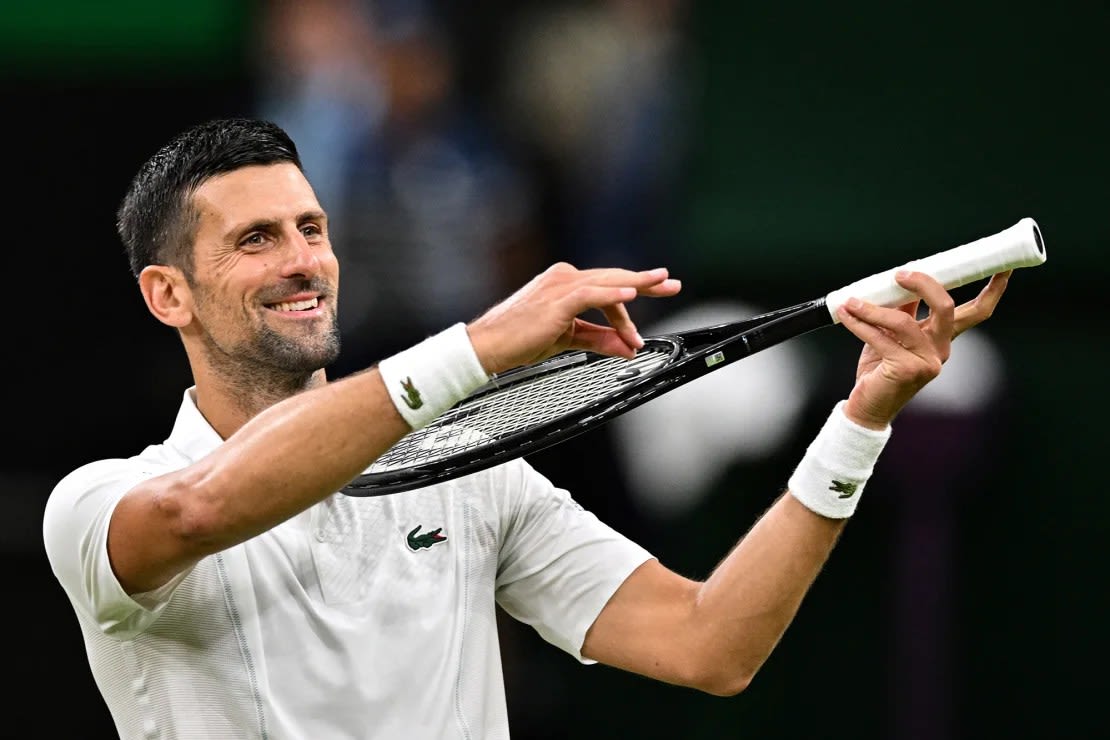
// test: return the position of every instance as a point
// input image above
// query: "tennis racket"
(535, 406)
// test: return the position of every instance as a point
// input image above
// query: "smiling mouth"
(293, 306)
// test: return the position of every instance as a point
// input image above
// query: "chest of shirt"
(397, 552)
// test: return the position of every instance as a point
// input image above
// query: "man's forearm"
(279, 463)
(745, 606)
(299, 451)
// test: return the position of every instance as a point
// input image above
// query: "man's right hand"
(541, 319)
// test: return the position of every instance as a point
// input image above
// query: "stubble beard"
(270, 366)
(296, 357)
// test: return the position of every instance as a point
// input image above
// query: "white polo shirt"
(359, 618)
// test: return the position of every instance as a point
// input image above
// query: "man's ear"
(167, 294)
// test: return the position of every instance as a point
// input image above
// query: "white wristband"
(830, 478)
(431, 377)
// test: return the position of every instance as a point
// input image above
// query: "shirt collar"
(192, 435)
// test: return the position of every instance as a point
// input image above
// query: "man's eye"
(310, 230)
(254, 239)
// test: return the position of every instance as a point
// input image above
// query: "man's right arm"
(291, 455)
(304, 448)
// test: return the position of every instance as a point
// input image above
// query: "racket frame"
(690, 355)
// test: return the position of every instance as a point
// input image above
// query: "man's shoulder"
(85, 495)
(95, 471)
(152, 461)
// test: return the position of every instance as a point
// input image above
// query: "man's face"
(265, 279)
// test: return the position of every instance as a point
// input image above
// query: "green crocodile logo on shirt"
(419, 541)
(846, 490)
(412, 397)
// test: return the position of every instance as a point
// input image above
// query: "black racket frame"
(688, 354)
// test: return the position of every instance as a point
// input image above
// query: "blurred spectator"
(431, 217)
(600, 89)
(319, 76)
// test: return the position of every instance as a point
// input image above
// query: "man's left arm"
(716, 635)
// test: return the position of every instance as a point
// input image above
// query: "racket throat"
(812, 316)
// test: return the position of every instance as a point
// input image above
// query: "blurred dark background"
(767, 153)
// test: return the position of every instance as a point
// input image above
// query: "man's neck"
(228, 404)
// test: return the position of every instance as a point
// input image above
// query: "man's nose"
(303, 257)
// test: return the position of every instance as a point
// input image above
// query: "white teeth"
(297, 305)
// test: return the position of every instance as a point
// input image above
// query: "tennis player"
(225, 589)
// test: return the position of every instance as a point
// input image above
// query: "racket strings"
(487, 418)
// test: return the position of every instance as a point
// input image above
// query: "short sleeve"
(75, 533)
(559, 563)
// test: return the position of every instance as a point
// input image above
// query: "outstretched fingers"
(663, 289)
(939, 324)
(542, 318)
(899, 357)
(981, 307)
(620, 337)
(889, 332)
(622, 324)
(656, 283)
(618, 317)
(604, 340)
(903, 353)
(609, 290)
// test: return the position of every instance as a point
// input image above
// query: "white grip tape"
(1020, 245)
(830, 478)
(431, 377)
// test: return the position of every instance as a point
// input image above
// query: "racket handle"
(1020, 245)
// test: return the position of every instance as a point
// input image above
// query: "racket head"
(520, 412)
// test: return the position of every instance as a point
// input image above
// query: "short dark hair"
(156, 219)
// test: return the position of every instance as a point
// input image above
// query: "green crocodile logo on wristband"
(412, 397)
(846, 490)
